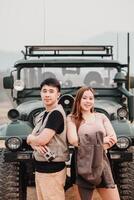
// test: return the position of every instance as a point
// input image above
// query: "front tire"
(12, 181)
(124, 177)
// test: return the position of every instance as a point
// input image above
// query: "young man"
(48, 140)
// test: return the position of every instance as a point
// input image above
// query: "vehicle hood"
(107, 106)
(27, 107)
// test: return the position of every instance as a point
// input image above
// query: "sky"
(61, 21)
(29, 22)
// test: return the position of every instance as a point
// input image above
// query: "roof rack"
(69, 50)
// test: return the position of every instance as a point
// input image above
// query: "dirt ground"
(4, 107)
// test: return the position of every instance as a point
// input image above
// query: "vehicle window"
(70, 77)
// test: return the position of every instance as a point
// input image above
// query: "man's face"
(49, 95)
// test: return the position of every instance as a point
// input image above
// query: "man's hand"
(41, 149)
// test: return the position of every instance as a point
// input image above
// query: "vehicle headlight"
(13, 143)
(123, 142)
(18, 85)
(122, 112)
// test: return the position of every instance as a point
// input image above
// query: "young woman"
(83, 121)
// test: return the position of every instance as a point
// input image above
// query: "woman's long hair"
(76, 110)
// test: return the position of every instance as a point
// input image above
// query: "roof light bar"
(69, 50)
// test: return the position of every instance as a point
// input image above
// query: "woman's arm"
(72, 132)
(110, 139)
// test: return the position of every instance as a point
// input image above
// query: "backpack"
(90, 157)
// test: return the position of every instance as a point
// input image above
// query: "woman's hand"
(109, 141)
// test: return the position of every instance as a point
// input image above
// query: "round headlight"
(19, 85)
(123, 142)
(13, 143)
(122, 112)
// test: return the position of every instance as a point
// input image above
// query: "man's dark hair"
(51, 82)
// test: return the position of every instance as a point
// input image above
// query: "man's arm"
(42, 139)
(55, 120)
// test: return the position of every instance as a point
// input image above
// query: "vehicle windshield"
(70, 76)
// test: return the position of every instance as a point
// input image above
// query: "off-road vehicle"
(73, 66)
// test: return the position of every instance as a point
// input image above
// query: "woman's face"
(87, 101)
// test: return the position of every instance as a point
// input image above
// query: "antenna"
(44, 22)
(128, 60)
(117, 46)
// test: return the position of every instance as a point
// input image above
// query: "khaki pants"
(50, 186)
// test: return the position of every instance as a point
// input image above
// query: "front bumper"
(18, 156)
(121, 156)
(28, 155)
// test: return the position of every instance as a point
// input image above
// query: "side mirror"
(8, 82)
(119, 78)
(131, 81)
